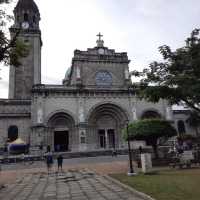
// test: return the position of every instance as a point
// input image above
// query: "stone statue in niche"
(39, 116)
(81, 114)
(134, 113)
(126, 74)
(78, 72)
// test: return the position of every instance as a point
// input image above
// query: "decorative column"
(82, 146)
(134, 113)
(49, 137)
(36, 138)
(106, 139)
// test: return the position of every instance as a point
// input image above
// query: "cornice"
(12, 115)
(47, 90)
(15, 102)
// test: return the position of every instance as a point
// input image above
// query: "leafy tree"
(150, 130)
(177, 78)
(194, 120)
(11, 50)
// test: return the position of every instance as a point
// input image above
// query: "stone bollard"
(146, 162)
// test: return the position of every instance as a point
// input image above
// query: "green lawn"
(166, 184)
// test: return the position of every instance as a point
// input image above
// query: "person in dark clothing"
(114, 152)
(49, 161)
(48, 148)
(140, 149)
(60, 162)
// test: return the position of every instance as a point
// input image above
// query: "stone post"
(146, 162)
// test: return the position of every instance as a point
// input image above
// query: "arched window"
(25, 17)
(12, 133)
(181, 127)
(150, 114)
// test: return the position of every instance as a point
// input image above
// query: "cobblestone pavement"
(70, 185)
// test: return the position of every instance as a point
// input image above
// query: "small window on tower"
(25, 17)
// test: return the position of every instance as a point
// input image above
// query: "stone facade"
(88, 112)
(84, 113)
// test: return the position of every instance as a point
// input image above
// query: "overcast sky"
(137, 27)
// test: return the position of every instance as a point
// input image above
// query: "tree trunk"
(155, 149)
(196, 129)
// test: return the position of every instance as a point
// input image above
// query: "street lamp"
(131, 171)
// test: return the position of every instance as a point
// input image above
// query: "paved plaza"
(68, 185)
(83, 178)
(84, 162)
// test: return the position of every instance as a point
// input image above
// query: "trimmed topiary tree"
(150, 130)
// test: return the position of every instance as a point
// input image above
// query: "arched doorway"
(106, 122)
(150, 114)
(61, 125)
(106, 128)
(12, 133)
(181, 127)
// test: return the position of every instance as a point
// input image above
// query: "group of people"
(180, 147)
(50, 160)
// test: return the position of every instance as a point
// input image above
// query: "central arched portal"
(62, 125)
(106, 122)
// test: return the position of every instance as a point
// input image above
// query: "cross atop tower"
(99, 35)
(100, 42)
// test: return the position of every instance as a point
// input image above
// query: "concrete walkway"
(69, 185)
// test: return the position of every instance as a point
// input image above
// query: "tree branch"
(11, 44)
(191, 105)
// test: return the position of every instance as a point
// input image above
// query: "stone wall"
(15, 113)
(23, 124)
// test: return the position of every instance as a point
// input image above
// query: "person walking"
(114, 152)
(49, 161)
(60, 162)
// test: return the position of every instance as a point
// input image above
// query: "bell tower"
(26, 25)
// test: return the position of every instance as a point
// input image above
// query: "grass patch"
(166, 185)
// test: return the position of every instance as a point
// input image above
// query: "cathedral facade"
(87, 112)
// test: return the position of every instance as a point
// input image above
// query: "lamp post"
(131, 171)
